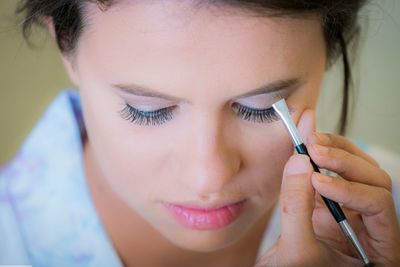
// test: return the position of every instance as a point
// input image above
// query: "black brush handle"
(370, 264)
(333, 206)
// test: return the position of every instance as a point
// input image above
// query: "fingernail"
(322, 178)
(298, 164)
(321, 150)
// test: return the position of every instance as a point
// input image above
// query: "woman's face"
(205, 145)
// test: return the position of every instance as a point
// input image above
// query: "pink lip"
(204, 218)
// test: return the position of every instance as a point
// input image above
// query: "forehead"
(161, 37)
(187, 25)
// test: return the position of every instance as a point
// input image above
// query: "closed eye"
(161, 116)
(255, 115)
(141, 117)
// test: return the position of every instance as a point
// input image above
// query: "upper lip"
(205, 206)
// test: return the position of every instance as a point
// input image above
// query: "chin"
(203, 241)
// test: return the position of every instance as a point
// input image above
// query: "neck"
(139, 244)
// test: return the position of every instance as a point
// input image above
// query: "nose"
(214, 159)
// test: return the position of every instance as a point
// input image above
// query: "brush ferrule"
(282, 109)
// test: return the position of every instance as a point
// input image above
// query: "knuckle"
(336, 162)
(332, 161)
(295, 199)
(341, 162)
(383, 201)
(292, 196)
(324, 156)
(384, 206)
(348, 188)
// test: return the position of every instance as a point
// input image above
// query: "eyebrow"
(140, 90)
(279, 85)
(272, 87)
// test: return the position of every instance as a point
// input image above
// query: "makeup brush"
(282, 109)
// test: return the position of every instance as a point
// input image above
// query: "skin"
(205, 57)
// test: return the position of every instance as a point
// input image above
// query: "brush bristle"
(276, 96)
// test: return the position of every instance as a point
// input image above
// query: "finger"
(328, 231)
(349, 166)
(297, 203)
(325, 224)
(340, 142)
(318, 201)
(306, 124)
(375, 204)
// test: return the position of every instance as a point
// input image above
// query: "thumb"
(297, 204)
(306, 124)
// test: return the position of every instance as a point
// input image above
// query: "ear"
(50, 27)
(67, 59)
(70, 67)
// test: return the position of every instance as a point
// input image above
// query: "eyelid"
(136, 101)
(258, 102)
(147, 108)
(270, 97)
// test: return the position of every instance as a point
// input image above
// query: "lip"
(205, 217)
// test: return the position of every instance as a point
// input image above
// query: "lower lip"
(201, 219)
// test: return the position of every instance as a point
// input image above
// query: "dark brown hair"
(338, 18)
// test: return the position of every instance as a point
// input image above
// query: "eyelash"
(141, 117)
(256, 115)
(160, 116)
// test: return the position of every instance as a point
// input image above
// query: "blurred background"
(30, 77)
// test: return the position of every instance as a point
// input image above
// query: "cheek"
(129, 159)
(264, 159)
